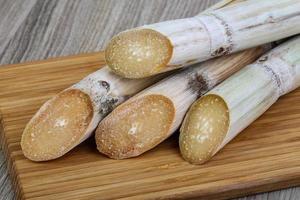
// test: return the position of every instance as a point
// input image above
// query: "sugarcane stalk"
(151, 116)
(75, 112)
(229, 27)
(217, 117)
(71, 116)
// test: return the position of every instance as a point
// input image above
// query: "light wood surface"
(35, 30)
(264, 157)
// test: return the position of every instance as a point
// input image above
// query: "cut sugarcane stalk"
(70, 117)
(228, 27)
(151, 116)
(216, 118)
(77, 111)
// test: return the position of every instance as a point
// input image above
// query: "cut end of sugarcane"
(138, 53)
(58, 126)
(135, 127)
(204, 129)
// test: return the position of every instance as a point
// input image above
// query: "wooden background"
(39, 29)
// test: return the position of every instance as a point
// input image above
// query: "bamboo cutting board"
(266, 156)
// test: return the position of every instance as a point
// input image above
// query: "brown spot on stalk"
(198, 84)
(221, 51)
(108, 103)
(105, 85)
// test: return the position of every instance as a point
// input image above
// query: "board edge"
(18, 191)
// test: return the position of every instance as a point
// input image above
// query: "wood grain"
(35, 30)
(60, 27)
(264, 157)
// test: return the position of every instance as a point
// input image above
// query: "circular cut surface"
(204, 129)
(135, 127)
(138, 53)
(58, 126)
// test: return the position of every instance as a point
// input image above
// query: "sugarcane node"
(108, 103)
(198, 84)
(275, 76)
(225, 50)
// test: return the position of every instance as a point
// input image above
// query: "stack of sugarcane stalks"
(233, 70)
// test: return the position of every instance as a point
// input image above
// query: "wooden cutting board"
(266, 156)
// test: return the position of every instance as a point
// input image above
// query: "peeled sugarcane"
(70, 117)
(151, 116)
(231, 27)
(216, 118)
